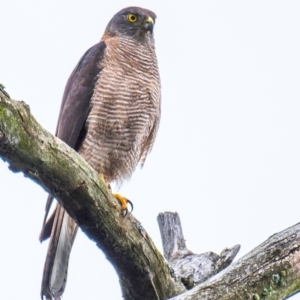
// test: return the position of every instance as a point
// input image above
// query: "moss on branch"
(30, 149)
(271, 271)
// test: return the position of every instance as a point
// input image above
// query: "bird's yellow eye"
(132, 18)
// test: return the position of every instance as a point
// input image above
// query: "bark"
(191, 268)
(270, 271)
(30, 149)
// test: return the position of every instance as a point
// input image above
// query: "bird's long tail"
(62, 236)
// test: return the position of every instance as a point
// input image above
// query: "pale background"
(227, 154)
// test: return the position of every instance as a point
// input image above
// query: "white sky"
(227, 154)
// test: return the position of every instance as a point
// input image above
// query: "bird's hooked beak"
(149, 24)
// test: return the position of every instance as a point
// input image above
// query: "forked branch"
(30, 149)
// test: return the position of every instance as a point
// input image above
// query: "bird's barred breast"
(125, 109)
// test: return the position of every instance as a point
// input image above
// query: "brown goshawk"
(109, 114)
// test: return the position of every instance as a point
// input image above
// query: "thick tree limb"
(270, 271)
(30, 149)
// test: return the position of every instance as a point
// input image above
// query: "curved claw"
(125, 211)
(124, 201)
(131, 204)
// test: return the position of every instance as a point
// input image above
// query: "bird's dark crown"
(132, 21)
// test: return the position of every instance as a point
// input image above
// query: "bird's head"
(135, 22)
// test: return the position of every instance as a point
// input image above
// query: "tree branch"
(270, 271)
(191, 268)
(30, 149)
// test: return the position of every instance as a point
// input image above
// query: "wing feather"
(75, 107)
(76, 101)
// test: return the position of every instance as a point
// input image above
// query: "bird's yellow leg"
(123, 200)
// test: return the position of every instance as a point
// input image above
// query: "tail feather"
(47, 227)
(63, 233)
(47, 222)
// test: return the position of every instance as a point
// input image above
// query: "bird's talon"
(125, 211)
(131, 205)
(124, 201)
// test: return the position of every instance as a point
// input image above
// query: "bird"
(110, 115)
